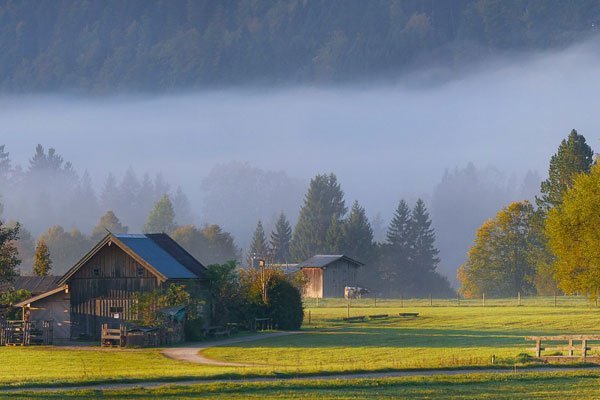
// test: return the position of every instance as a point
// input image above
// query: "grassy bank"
(480, 386)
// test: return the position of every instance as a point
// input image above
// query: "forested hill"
(117, 45)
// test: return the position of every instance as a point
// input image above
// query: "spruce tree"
(258, 246)
(573, 157)
(9, 255)
(280, 239)
(42, 264)
(323, 202)
(162, 217)
(357, 234)
(108, 223)
(5, 167)
(334, 237)
(397, 250)
(424, 255)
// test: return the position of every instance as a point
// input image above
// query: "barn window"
(139, 271)
(96, 272)
(116, 312)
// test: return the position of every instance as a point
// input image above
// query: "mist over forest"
(467, 143)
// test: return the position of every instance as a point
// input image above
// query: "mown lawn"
(570, 385)
(441, 337)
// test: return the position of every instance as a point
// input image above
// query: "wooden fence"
(574, 343)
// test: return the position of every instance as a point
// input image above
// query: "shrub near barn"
(243, 295)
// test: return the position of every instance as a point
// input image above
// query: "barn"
(326, 276)
(101, 287)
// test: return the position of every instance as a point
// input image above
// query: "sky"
(384, 140)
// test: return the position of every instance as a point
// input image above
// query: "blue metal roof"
(156, 256)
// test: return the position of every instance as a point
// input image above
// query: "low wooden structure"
(25, 333)
(408, 314)
(113, 337)
(571, 346)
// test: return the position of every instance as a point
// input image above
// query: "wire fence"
(516, 301)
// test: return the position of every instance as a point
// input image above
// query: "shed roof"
(323, 260)
(33, 284)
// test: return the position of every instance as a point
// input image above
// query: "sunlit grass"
(443, 336)
(569, 385)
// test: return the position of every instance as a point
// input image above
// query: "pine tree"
(323, 201)
(108, 223)
(181, 205)
(162, 217)
(42, 264)
(334, 237)
(424, 253)
(573, 157)
(280, 239)
(109, 198)
(258, 246)
(397, 250)
(357, 234)
(5, 167)
(9, 255)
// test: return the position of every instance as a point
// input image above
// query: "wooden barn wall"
(93, 294)
(54, 308)
(314, 282)
(337, 276)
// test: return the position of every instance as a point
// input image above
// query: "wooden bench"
(408, 314)
(358, 318)
(378, 316)
(213, 331)
(570, 347)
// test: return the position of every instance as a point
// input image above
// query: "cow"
(353, 292)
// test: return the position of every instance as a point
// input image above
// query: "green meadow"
(443, 336)
(564, 386)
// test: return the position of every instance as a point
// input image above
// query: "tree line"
(143, 45)
(547, 247)
(404, 264)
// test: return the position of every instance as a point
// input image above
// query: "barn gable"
(157, 253)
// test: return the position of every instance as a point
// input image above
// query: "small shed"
(326, 276)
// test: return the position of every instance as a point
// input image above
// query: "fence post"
(554, 299)
(518, 298)
(430, 301)
(375, 301)
(401, 301)
(483, 299)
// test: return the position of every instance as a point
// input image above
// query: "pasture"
(444, 336)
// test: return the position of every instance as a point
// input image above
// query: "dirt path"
(191, 353)
(371, 375)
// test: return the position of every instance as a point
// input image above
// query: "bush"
(285, 305)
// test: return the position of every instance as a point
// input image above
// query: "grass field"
(443, 336)
(564, 386)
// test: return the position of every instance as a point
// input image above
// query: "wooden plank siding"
(336, 276)
(329, 281)
(314, 282)
(108, 279)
